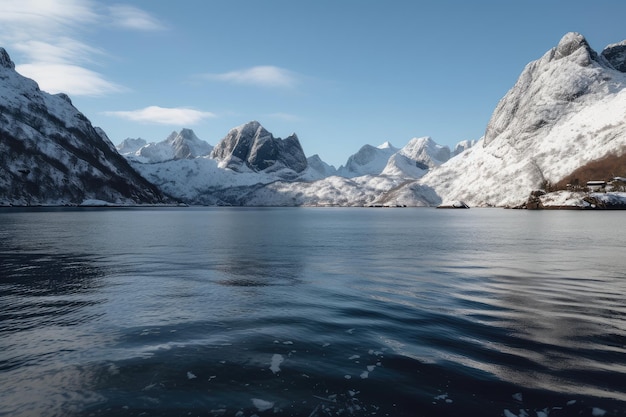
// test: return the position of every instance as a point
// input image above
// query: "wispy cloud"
(179, 116)
(70, 79)
(130, 17)
(24, 16)
(263, 76)
(46, 36)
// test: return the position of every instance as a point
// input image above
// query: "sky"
(338, 73)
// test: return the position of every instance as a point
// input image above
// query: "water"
(312, 312)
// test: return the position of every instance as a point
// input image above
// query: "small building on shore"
(596, 185)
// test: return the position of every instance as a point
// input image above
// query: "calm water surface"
(312, 312)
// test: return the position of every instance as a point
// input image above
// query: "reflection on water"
(311, 312)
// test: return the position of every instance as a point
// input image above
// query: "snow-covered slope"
(131, 145)
(462, 146)
(416, 158)
(50, 153)
(369, 160)
(320, 167)
(567, 109)
(226, 179)
(178, 145)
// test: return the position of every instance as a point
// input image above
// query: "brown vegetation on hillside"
(603, 169)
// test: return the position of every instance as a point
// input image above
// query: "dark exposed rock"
(253, 146)
(616, 55)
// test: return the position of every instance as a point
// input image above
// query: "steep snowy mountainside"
(178, 145)
(50, 153)
(131, 145)
(369, 160)
(187, 145)
(320, 167)
(566, 109)
(462, 147)
(416, 158)
(251, 147)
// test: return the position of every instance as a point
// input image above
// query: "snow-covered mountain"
(566, 109)
(316, 165)
(130, 146)
(369, 160)
(224, 178)
(416, 158)
(51, 154)
(178, 145)
(564, 116)
(251, 147)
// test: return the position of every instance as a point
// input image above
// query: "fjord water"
(312, 312)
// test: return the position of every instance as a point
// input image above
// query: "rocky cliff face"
(50, 153)
(251, 146)
(615, 54)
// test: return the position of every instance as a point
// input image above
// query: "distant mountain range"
(565, 112)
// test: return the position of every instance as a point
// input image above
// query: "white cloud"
(46, 36)
(133, 18)
(25, 15)
(70, 79)
(179, 116)
(264, 76)
(64, 50)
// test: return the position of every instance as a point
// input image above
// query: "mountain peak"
(252, 145)
(386, 145)
(5, 60)
(616, 55)
(570, 45)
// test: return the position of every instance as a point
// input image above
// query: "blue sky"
(339, 73)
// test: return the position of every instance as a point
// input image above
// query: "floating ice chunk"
(288, 342)
(347, 377)
(598, 412)
(350, 331)
(517, 396)
(353, 357)
(262, 405)
(276, 361)
(507, 413)
(364, 374)
(326, 345)
(370, 367)
(571, 402)
(190, 375)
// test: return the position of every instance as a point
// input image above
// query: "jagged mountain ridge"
(178, 145)
(225, 179)
(252, 146)
(50, 153)
(566, 109)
